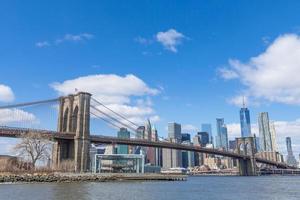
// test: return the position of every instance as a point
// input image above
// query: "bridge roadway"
(98, 139)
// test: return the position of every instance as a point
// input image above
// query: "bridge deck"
(17, 132)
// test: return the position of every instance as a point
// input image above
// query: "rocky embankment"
(63, 177)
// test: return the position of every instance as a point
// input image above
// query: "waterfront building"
(152, 155)
(264, 132)
(204, 138)
(123, 133)
(245, 121)
(188, 157)
(197, 156)
(128, 163)
(291, 160)
(212, 162)
(207, 128)
(172, 157)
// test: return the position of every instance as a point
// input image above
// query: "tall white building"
(273, 136)
(264, 132)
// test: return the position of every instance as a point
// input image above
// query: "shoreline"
(85, 177)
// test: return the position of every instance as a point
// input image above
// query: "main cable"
(123, 117)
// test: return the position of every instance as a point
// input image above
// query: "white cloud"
(283, 129)
(6, 93)
(170, 39)
(42, 44)
(143, 40)
(66, 38)
(273, 75)
(116, 92)
(75, 38)
(10, 116)
(227, 74)
(239, 99)
(189, 128)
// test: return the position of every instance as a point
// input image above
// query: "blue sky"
(188, 61)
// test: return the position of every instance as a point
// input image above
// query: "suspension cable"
(123, 117)
(107, 121)
(29, 103)
(114, 119)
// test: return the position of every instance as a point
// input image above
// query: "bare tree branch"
(33, 146)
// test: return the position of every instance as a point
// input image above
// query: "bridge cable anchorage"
(123, 117)
(29, 103)
(116, 120)
(107, 121)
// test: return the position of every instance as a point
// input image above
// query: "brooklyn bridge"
(73, 138)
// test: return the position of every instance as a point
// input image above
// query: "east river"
(200, 188)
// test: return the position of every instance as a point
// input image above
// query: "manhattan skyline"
(171, 67)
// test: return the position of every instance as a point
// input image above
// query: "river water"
(200, 188)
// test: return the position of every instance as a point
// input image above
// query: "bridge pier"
(246, 146)
(74, 117)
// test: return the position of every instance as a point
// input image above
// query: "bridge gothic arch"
(246, 146)
(241, 149)
(74, 117)
(65, 120)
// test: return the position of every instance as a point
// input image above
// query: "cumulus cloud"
(273, 75)
(127, 95)
(170, 39)
(10, 116)
(6, 93)
(283, 129)
(189, 128)
(227, 74)
(239, 99)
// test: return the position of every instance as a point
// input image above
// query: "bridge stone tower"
(246, 146)
(74, 117)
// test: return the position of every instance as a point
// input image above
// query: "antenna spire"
(244, 102)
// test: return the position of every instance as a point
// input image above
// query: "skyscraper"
(222, 137)
(291, 160)
(173, 157)
(188, 157)
(174, 131)
(207, 128)
(122, 148)
(204, 138)
(273, 136)
(245, 121)
(264, 132)
(185, 137)
(152, 154)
